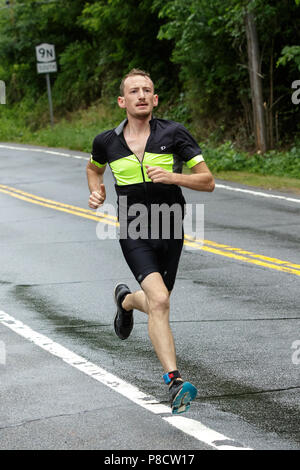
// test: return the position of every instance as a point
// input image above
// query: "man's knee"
(159, 302)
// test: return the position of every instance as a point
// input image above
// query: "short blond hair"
(133, 73)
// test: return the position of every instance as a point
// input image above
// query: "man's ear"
(155, 100)
(121, 102)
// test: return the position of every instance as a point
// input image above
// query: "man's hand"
(97, 198)
(159, 175)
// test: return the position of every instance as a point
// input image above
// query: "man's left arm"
(201, 178)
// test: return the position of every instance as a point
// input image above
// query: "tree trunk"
(271, 133)
(255, 84)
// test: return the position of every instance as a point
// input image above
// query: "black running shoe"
(123, 321)
(181, 395)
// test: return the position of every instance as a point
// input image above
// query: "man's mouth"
(141, 104)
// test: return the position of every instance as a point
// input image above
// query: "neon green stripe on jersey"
(193, 161)
(99, 165)
(164, 161)
(129, 170)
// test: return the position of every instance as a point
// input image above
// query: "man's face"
(139, 98)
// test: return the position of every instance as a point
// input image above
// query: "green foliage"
(205, 34)
(126, 34)
(211, 50)
(95, 42)
(290, 53)
(195, 50)
(227, 158)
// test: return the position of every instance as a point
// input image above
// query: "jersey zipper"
(143, 174)
(141, 165)
(142, 169)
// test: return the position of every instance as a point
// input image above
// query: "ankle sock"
(169, 376)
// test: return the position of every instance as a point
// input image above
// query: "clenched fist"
(159, 175)
(97, 198)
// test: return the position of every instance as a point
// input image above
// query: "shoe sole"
(115, 315)
(182, 401)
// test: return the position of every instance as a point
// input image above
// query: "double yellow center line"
(59, 206)
(204, 245)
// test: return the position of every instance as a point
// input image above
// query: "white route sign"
(45, 55)
(45, 52)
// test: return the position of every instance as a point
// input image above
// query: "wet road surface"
(234, 314)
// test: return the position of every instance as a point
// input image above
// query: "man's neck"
(137, 127)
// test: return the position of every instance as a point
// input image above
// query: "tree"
(227, 53)
(256, 83)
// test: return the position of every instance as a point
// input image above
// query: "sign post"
(49, 98)
(2, 92)
(45, 55)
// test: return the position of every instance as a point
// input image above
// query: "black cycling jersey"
(169, 146)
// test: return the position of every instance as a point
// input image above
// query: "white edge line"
(257, 193)
(189, 426)
(68, 155)
(221, 186)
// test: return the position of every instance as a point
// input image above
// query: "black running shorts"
(145, 256)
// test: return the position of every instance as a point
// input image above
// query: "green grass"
(262, 181)
(75, 132)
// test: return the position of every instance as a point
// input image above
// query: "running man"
(146, 155)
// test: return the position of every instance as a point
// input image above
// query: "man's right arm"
(96, 186)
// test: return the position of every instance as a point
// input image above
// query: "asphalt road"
(234, 314)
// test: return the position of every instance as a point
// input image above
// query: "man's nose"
(141, 94)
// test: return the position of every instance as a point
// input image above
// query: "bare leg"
(158, 301)
(137, 301)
